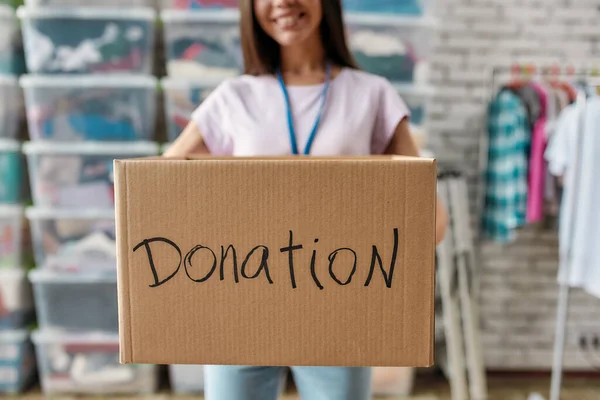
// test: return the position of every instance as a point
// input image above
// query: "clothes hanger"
(521, 76)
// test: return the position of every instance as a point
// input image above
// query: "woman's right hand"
(189, 142)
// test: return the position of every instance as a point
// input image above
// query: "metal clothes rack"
(590, 77)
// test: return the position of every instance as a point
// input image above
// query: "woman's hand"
(402, 143)
(189, 142)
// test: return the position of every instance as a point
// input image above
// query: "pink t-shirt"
(246, 116)
(537, 164)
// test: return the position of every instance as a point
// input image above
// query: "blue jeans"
(267, 383)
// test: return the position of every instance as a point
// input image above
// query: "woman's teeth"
(287, 22)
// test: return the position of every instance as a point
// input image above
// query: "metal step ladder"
(457, 281)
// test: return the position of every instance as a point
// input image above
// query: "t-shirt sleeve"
(391, 111)
(211, 119)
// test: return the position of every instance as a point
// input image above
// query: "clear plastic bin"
(202, 44)
(10, 99)
(11, 171)
(16, 300)
(88, 364)
(182, 97)
(9, 31)
(11, 235)
(187, 379)
(198, 4)
(392, 46)
(83, 302)
(88, 40)
(91, 3)
(17, 362)
(73, 240)
(78, 175)
(90, 107)
(403, 7)
(417, 99)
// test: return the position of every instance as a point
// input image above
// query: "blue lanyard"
(290, 118)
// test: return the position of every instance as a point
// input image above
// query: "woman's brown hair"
(262, 54)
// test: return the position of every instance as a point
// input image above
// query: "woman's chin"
(293, 38)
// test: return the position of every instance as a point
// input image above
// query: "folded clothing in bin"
(73, 240)
(199, 4)
(416, 98)
(75, 302)
(89, 364)
(77, 175)
(11, 171)
(16, 301)
(11, 235)
(90, 107)
(187, 379)
(9, 106)
(90, 3)
(88, 40)
(406, 7)
(202, 43)
(9, 30)
(17, 361)
(393, 47)
(182, 97)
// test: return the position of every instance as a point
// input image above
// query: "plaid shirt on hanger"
(506, 189)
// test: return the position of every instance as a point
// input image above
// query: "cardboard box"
(277, 261)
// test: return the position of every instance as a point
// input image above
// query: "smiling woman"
(301, 94)
(268, 30)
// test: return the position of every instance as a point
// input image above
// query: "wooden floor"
(501, 387)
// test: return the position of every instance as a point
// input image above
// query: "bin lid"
(99, 13)
(92, 148)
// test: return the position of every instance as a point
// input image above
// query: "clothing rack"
(499, 76)
(591, 77)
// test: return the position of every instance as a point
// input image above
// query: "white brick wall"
(518, 281)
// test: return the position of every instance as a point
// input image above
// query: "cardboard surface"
(280, 261)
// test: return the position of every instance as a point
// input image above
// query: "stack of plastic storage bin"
(202, 45)
(393, 38)
(17, 359)
(90, 98)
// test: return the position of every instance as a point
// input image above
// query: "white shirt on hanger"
(574, 153)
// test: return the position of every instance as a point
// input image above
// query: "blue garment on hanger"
(507, 169)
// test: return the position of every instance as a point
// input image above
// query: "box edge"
(124, 306)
